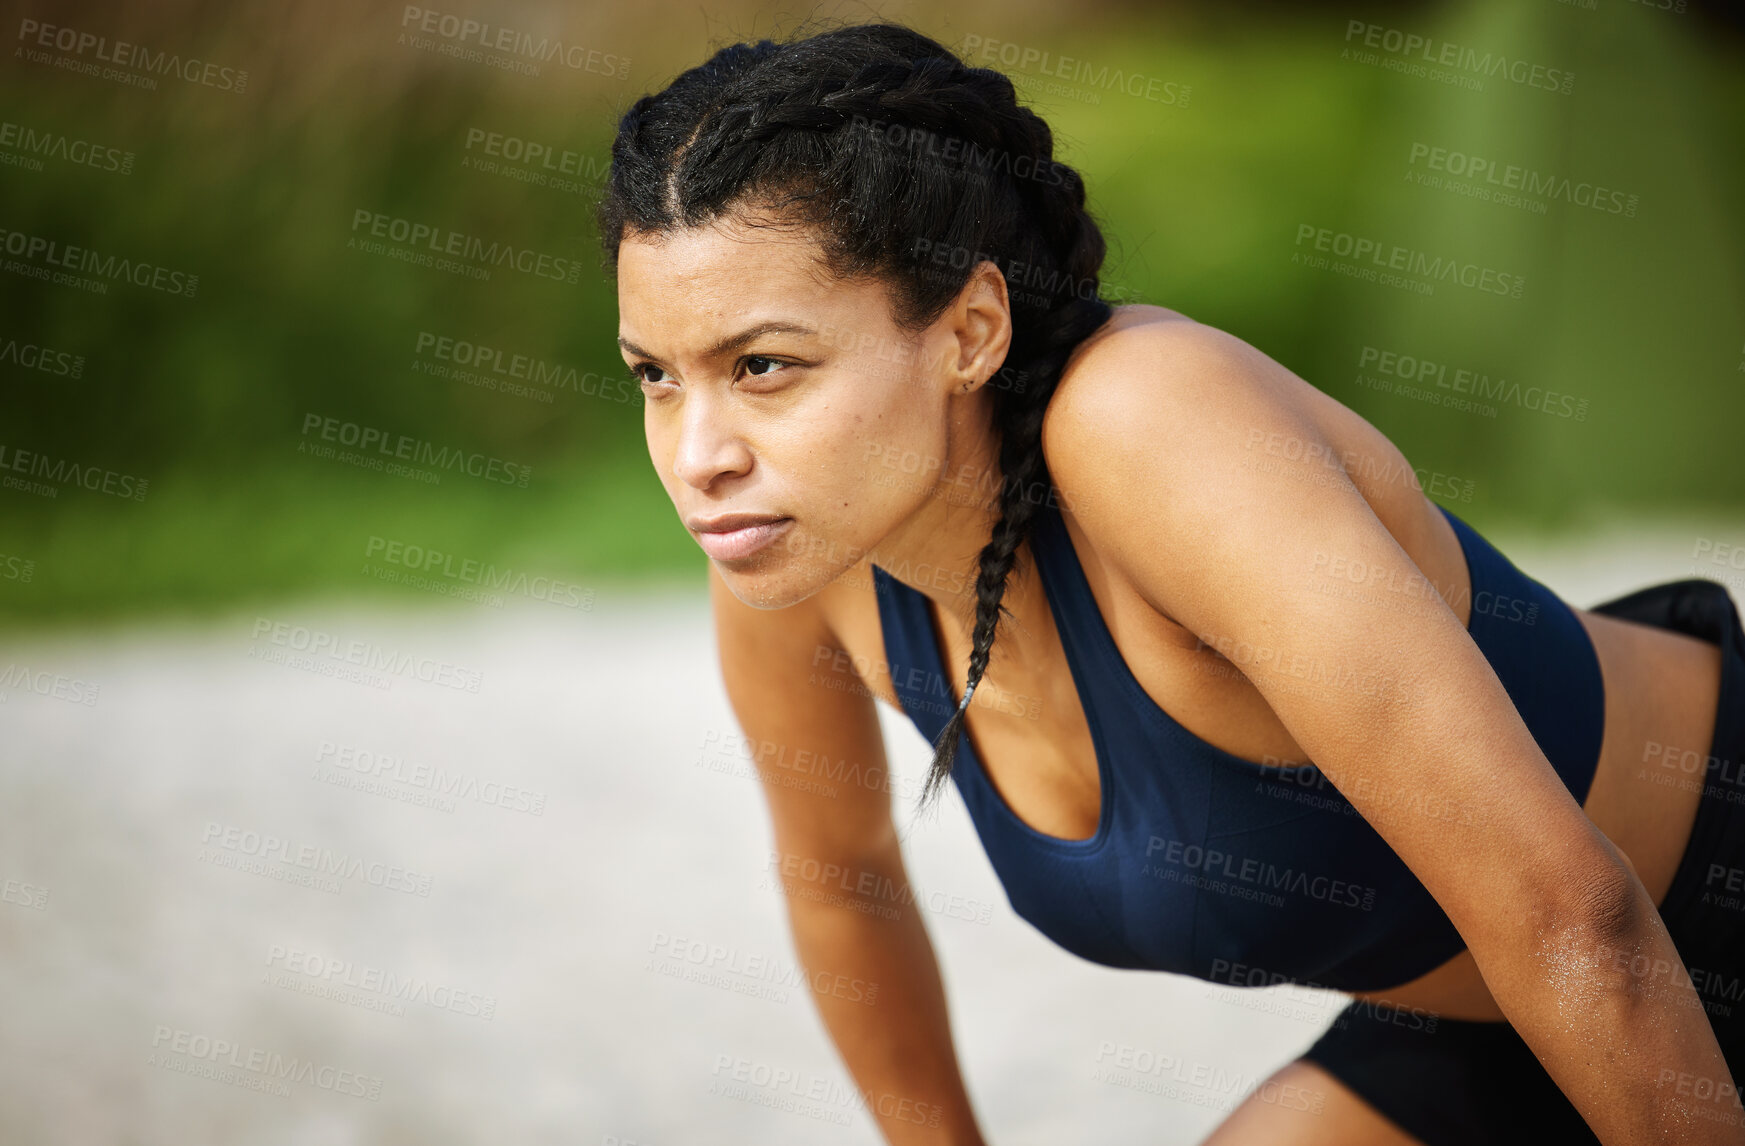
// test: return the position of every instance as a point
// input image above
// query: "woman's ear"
(982, 324)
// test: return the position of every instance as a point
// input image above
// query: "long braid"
(1023, 468)
(798, 126)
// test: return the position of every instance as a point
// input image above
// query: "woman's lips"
(735, 544)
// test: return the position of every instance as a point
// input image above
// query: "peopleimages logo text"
(461, 30)
(137, 56)
(406, 448)
(411, 234)
(1406, 260)
(1459, 58)
(51, 252)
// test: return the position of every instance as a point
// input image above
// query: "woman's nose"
(710, 445)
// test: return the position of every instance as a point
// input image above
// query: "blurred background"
(357, 672)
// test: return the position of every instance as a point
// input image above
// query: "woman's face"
(776, 393)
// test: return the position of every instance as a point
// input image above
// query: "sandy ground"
(232, 913)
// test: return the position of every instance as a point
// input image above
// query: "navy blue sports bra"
(1209, 865)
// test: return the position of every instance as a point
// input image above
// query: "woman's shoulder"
(1157, 388)
(1164, 430)
(1147, 358)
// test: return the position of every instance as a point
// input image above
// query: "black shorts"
(1465, 1082)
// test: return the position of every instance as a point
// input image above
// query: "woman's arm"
(1200, 467)
(873, 974)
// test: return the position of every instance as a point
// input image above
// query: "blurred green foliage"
(1641, 317)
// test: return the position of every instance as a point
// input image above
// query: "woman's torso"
(1660, 692)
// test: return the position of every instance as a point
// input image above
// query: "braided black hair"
(910, 166)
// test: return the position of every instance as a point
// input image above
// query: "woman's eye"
(755, 366)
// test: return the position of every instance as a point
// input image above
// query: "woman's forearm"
(894, 1035)
(1609, 1008)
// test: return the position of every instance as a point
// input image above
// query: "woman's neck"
(936, 550)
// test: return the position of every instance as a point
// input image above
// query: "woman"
(1257, 711)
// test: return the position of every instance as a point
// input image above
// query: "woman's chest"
(1028, 723)
(1120, 834)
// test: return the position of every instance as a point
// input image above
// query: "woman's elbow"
(1608, 903)
(1597, 919)
(1578, 939)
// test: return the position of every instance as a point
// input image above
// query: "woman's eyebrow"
(732, 341)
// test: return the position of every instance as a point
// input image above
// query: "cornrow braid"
(891, 148)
